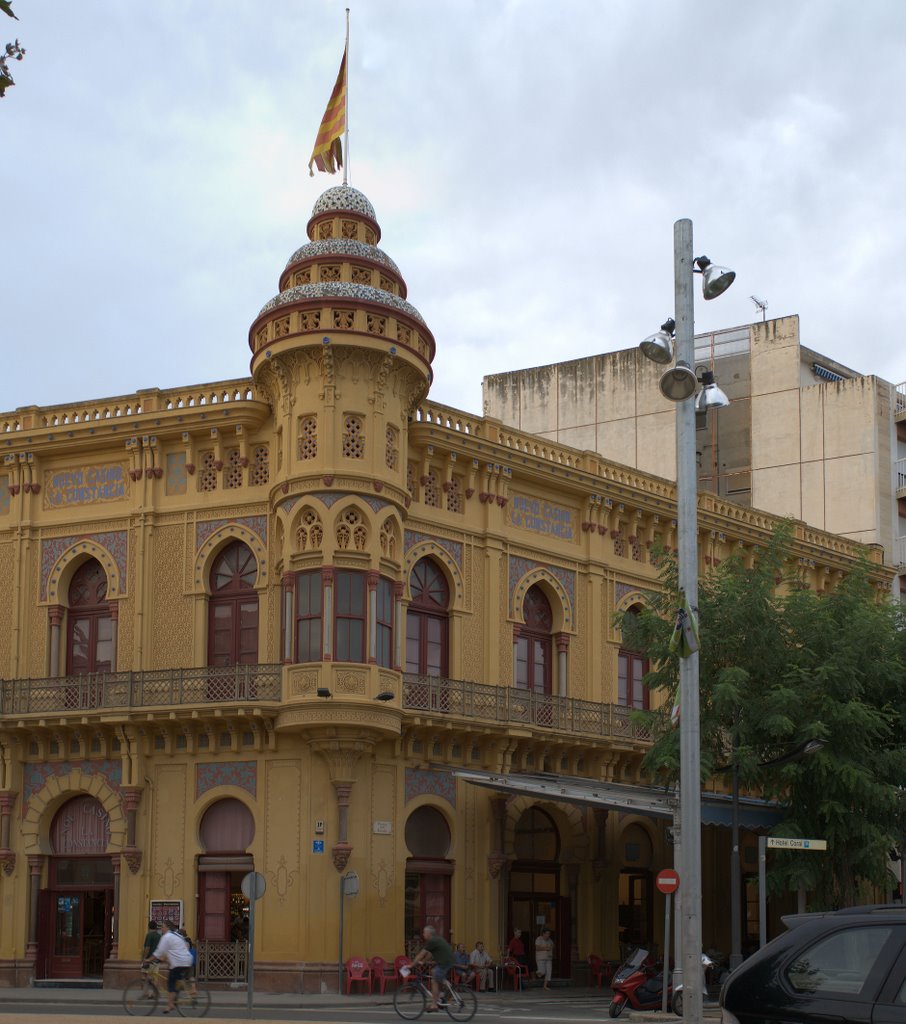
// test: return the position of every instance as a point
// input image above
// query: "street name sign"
(779, 843)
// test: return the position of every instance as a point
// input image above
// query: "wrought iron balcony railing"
(512, 706)
(125, 690)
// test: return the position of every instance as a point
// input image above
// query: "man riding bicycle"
(442, 954)
(172, 946)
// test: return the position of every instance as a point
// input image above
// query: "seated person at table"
(481, 964)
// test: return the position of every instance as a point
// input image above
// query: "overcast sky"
(526, 160)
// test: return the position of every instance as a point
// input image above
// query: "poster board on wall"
(166, 910)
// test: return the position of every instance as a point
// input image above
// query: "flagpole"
(346, 88)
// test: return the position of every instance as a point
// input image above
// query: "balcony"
(124, 691)
(450, 699)
(511, 707)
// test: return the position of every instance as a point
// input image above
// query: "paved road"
(564, 1006)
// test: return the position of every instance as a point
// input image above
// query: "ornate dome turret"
(341, 283)
(343, 356)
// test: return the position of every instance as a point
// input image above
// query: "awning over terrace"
(717, 808)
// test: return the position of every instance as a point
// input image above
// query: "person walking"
(173, 948)
(544, 957)
(152, 937)
(441, 953)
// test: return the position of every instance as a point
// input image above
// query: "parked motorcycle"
(708, 965)
(638, 983)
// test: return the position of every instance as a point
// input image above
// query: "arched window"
(427, 872)
(632, 667)
(90, 638)
(233, 613)
(533, 645)
(427, 620)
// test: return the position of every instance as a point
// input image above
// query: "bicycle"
(410, 1000)
(141, 997)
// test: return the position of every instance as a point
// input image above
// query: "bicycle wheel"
(409, 1000)
(194, 1006)
(461, 1002)
(140, 998)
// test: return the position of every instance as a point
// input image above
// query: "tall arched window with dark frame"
(632, 667)
(428, 621)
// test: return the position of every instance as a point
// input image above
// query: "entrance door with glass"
(79, 922)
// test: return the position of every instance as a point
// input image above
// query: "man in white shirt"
(481, 963)
(173, 947)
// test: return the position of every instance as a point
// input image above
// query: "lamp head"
(710, 396)
(678, 383)
(715, 280)
(322, 691)
(658, 347)
(384, 695)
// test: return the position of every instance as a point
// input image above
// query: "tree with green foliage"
(12, 51)
(780, 665)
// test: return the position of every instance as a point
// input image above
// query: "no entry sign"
(667, 881)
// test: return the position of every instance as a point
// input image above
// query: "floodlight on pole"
(658, 347)
(715, 280)
(678, 383)
(710, 396)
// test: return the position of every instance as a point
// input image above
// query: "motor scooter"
(708, 965)
(638, 983)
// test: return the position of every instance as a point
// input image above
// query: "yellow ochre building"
(311, 625)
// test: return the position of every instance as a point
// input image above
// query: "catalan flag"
(328, 152)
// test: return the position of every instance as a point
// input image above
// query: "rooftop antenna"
(761, 304)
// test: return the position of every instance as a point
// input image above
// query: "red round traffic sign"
(667, 881)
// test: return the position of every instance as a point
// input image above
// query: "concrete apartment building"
(803, 436)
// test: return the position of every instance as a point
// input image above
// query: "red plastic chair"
(596, 969)
(379, 975)
(358, 970)
(398, 963)
(517, 971)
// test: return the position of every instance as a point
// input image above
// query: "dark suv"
(845, 966)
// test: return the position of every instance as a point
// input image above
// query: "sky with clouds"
(526, 160)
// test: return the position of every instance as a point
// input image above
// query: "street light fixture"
(658, 347)
(710, 396)
(678, 384)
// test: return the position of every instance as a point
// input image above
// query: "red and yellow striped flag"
(328, 152)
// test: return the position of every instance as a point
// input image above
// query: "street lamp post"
(690, 890)
(678, 384)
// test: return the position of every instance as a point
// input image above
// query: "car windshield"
(840, 962)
